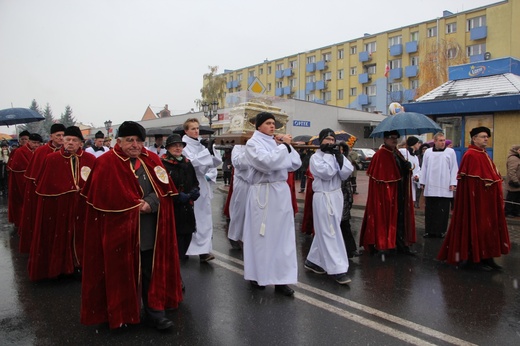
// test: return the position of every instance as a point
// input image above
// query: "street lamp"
(210, 110)
(108, 125)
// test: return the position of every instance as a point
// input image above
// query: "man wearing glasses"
(389, 221)
(478, 230)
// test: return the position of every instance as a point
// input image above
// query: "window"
(414, 61)
(251, 74)
(370, 109)
(279, 67)
(261, 71)
(451, 28)
(268, 69)
(353, 71)
(370, 47)
(239, 77)
(327, 56)
(311, 59)
(268, 86)
(476, 49)
(353, 92)
(396, 87)
(392, 41)
(340, 94)
(341, 54)
(310, 79)
(341, 74)
(431, 32)
(395, 63)
(452, 53)
(310, 97)
(414, 84)
(327, 76)
(371, 69)
(353, 50)
(371, 90)
(326, 95)
(475, 22)
(293, 83)
(293, 64)
(414, 36)
(279, 85)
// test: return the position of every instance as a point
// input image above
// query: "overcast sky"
(110, 59)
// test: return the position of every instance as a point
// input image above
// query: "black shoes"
(314, 267)
(160, 323)
(284, 289)
(206, 257)
(490, 262)
(342, 279)
(235, 245)
(256, 285)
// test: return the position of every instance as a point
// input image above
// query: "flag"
(387, 69)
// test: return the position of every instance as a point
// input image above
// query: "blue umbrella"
(13, 116)
(406, 123)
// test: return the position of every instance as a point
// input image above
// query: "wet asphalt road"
(401, 300)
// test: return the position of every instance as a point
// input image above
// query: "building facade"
(370, 72)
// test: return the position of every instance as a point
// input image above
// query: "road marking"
(356, 318)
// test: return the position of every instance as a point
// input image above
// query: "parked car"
(365, 156)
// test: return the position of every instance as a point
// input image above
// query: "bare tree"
(214, 86)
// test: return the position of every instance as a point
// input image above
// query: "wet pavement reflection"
(393, 300)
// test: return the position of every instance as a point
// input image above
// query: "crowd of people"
(123, 219)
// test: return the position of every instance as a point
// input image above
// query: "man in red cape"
(57, 240)
(478, 229)
(389, 220)
(130, 248)
(30, 198)
(17, 166)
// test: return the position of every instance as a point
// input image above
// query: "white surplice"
(97, 153)
(237, 205)
(416, 169)
(269, 234)
(438, 172)
(328, 248)
(205, 166)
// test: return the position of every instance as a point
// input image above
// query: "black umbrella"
(158, 131)
(406, 123)
(302, 138)
(203, 130)
(13, 116)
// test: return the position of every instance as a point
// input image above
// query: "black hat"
(131, 128)
(262, 117)
(391, 133)
(326, 133)
(73, 131)
(99, 134)
(24, 133)
(411, 141)
(480, 129)
(4, 144)
(175, 138)
(57, 128)
(35, 137)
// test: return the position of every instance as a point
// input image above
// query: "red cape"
(111, 263)
(30, 199)
(308, 220)
(230, 193)
(478, 228)
(291, 180)
(17, 165)
(57, 244)
(379, 226)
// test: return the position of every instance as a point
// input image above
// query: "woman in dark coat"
(182, 173)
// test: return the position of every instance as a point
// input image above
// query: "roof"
(489, 86)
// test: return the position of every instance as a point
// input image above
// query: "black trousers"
(183, 243)
(437, 214)
(146, 278)
(348, 237)
(513, 209)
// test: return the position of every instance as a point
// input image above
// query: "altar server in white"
(439, 180)
(237, 205)
(269, 234)
(412, 144)
(205, 159)
(98, 148)
(329, 167)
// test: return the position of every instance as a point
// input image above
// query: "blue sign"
(485, 68)
(301, 123)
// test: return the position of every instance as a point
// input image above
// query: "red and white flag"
(387, 69)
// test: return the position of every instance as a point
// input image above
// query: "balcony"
(411, 47)
(320, 101)
(279, 74)
(396, 96)
(365, 56)
(250, 80)
(311, 67)
(476, 58)
(287, 72)
(321, 65)
(229, 84)
(478, 33)
(396, 73)
(320, 85)
(396, 49)
(236, 83)
(411, 71)
(287, 90)
(309, 86)
(409, 95)
(363, 78)
(362, 99)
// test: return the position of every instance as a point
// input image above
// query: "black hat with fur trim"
(131, 128)
(480, 129)
(391, 133)
(24, 133)
(411, 141)
(57, 128)
(73, 131)
(35, 137)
